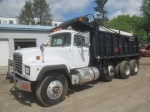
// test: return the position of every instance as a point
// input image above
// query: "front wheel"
(52, 89)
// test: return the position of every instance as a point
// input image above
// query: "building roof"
(24, 27)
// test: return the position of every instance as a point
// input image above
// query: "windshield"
(63, 39)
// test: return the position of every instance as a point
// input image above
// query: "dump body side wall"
(111, 45)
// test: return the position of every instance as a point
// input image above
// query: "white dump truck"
(79, 52)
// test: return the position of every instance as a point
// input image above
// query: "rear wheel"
(111, 72)
(117, 67)
(134, 65)
(125, 70)
(52, 89)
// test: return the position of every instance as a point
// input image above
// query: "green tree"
(120, 23)
(101, 11)
(143, 38)
(145, 9)
(42, 11)
(128, 24)
(100, 21)
(26, 14)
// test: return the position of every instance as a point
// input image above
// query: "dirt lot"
(129, 95)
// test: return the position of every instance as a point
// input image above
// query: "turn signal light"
(37, 57)
(25, 86)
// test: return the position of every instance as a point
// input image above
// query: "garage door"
(4, 52)
(24, 43)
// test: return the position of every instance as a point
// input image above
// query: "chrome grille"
(18, 62)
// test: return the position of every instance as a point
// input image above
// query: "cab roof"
(63, 31)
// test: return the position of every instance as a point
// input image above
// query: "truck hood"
(29, 54)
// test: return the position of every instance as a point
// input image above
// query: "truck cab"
(76, 45)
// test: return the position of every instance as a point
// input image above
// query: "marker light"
(57, 29)
(116, 49)
(80, 19)
(38, 57)
(25, 86)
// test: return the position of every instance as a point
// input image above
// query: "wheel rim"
(136, 67)
(127, 70)
(54, 89)
(111, 70)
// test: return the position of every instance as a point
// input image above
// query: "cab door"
(80, 52)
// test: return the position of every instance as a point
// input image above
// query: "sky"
(63, 10)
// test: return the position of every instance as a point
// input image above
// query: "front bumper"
(18, 82)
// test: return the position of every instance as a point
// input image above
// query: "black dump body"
(104, 45)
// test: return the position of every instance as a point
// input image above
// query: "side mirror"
(42, 48)
(87, 37)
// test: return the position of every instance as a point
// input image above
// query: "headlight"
(27, 70)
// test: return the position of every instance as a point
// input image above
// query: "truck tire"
(52, 89)
(125, 70)
(111, 72)
(134, 65)
(117, 67)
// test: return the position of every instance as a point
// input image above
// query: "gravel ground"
(129, 95)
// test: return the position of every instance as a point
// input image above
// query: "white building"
(56, 23)
(13, 20)
(8, 20)
(14, 35)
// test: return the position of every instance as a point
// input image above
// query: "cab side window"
(79, 40)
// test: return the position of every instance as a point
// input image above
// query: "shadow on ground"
(78, 88)
(25, 98)
(28, 98)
